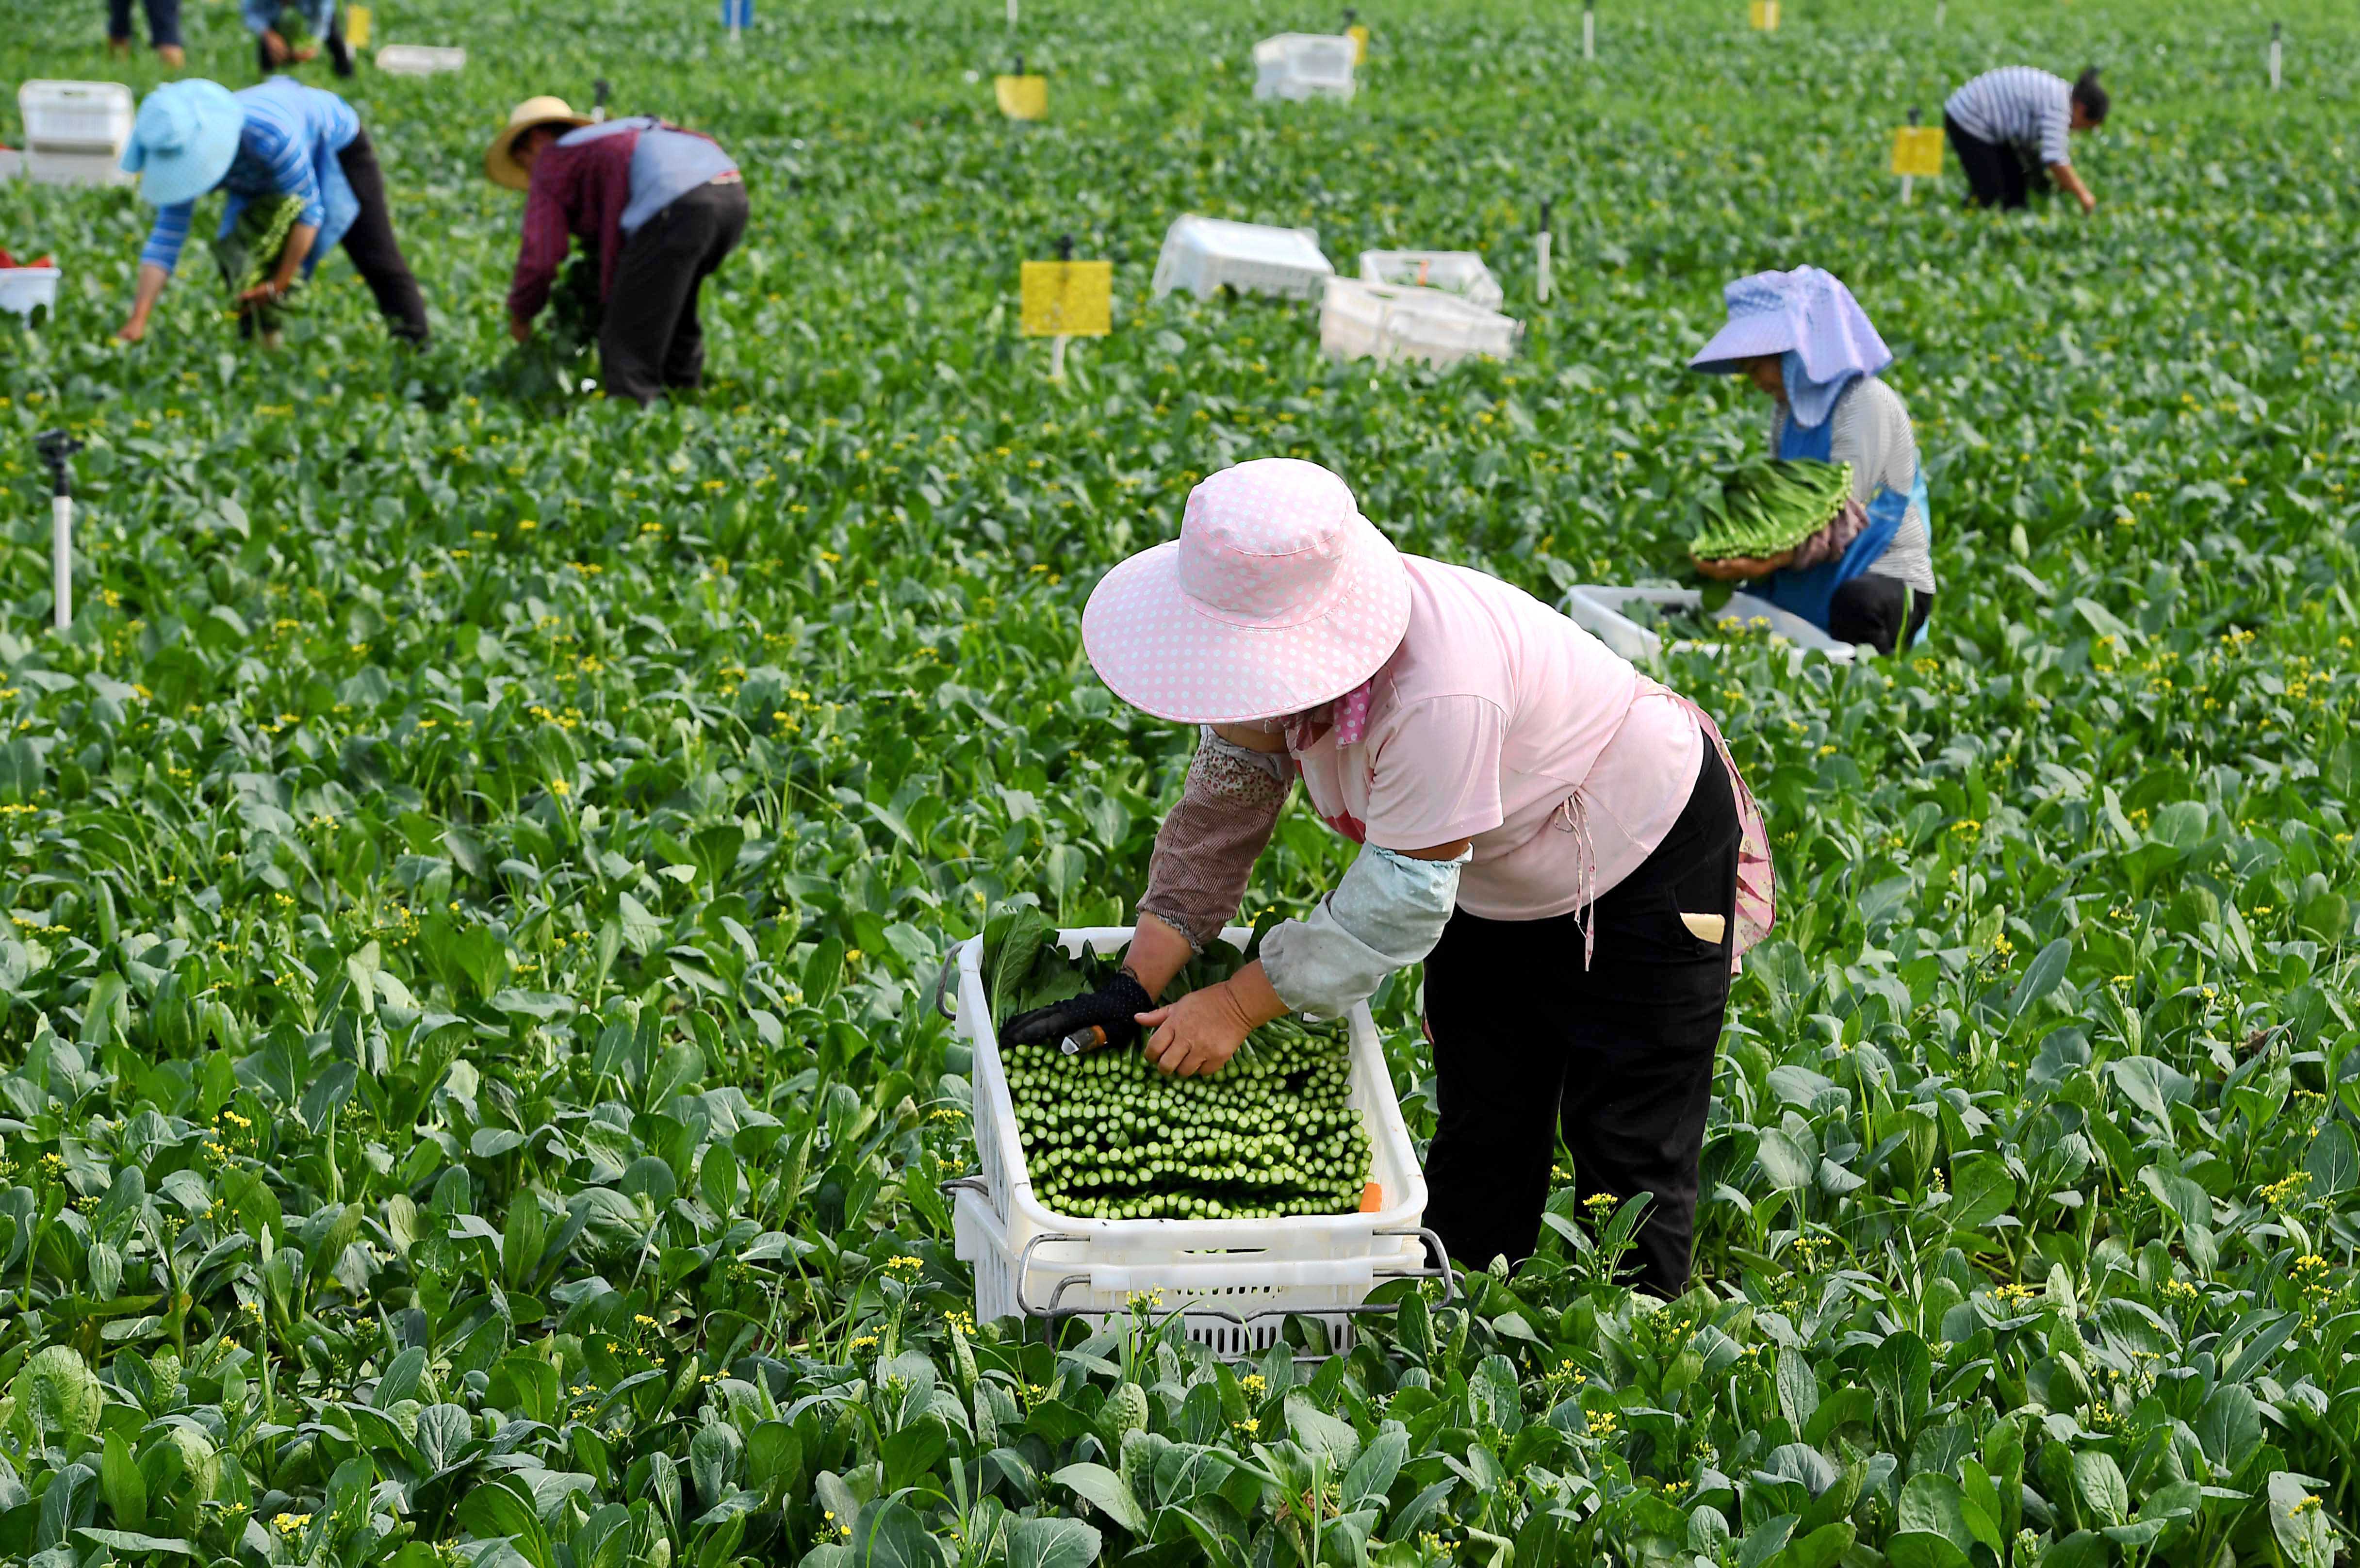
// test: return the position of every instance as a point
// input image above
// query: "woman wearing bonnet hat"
(1526, 805)
(1803, 340)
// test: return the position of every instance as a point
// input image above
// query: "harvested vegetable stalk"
(1766, 508)
(249, 253)
(1108, 1137)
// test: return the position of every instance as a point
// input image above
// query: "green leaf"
(1052, 1543)
(2099, 1487)
(1098, 1485)
(2299, 1520)
(2333, 1161)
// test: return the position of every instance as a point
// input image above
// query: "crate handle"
(1057, 1309)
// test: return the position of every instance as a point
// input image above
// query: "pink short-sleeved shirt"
(1495, 712)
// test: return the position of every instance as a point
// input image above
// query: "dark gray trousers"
(651, 339)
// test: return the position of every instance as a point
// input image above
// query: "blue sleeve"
(258, 15)
(172, 231)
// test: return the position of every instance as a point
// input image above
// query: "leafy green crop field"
(476, 867)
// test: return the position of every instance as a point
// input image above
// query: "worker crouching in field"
(1564, 842)
(1802, 339)
(2009, 128)
(659, 206)
(278, 146)
(282, 30)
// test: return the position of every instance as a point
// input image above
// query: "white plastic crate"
(1305, 65)
(1390, 320)
(75, 131)
(418, 60)
(1234, 1281)
(1200, 255)
(1599, 607)
(1460, 272)
(24, 290)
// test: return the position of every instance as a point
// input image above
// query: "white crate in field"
(1234, 1281)
(1305, 65)
(418, 60)
(1460, 272)
(75, 131)
(1359, 320)
(24, 290)
(1601, 609)
(1200, 255)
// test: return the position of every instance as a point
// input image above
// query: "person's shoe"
(340, 54)
(174, 56)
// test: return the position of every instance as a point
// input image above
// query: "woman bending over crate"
(657, 206)
(1564, 842)
(275, 142)
(1803, 340)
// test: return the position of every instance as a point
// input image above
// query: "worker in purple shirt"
(659, 206)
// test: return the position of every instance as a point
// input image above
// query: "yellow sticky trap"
(1359, 36)
(356, 26)
(1023, 97)
(1764, 13)
(1069, 299)
(1918, 150)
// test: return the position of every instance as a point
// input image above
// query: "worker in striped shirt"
(274, 140)
(2010, 125)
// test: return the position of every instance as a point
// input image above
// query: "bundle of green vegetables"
(248, 255)
(1768, 507)
(1106, 1136)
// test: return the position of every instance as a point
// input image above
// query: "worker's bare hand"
(262, 293)
(519, 329)
(273, 45)
(305, 52)
(1197, 1035)
(132, 330)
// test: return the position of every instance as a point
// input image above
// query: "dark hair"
(2091, 97)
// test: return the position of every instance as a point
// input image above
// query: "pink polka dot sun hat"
(1276, 597)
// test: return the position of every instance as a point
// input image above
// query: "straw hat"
(499, 158)
(1276, 597)
(184, 140)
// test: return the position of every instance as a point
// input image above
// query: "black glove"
(1112, 1007)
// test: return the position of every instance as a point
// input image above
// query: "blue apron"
(1808, 592)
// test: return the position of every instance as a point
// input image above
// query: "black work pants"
(163, 22)
(376, 256)
(650, 339)
(1882, 613)
(1997, 175)
(1618, 1057)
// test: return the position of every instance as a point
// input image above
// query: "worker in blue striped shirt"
(2009, 127)
(274, 140)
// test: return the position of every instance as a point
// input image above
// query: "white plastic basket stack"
(1234, 1281)
(1460, 272)
(24, 289)
(1305, 65)
(418, 60)
(1200, 255)
(1384, 321)
(75, 131)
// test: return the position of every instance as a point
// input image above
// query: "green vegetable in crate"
(1107, 1136)
(248, 255)
(1764, 509)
